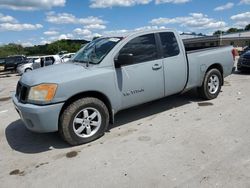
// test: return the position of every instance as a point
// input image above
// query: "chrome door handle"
(156, 67)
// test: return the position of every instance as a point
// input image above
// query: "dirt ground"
(179, 141)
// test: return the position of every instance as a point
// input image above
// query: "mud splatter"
(17, 172)
(205, 104)
(5, 99)
(205, 178)
(71, 154)
(226, 83)
(41, 164)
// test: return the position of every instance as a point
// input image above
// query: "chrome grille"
(21, 92)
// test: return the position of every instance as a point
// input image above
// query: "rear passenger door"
(174, 63)
(142, 81)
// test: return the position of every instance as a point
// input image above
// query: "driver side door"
(143, 80)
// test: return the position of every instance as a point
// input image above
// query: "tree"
(219, 32)
(53, 48)
(232, 30)
(247, 28)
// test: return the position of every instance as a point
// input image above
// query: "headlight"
(42, 92)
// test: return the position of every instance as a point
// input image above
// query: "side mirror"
(124, 59)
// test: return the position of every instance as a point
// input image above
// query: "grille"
(246, 61)
(21, 92)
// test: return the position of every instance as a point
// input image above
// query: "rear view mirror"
(124, 59)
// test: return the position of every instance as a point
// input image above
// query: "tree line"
(53, 48)
(232, 30)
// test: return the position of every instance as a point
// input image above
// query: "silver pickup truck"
(80, 98)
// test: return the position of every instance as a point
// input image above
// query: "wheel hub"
(87, 122)
(213, 84)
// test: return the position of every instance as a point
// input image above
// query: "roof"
(127, 33)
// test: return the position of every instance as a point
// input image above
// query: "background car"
(12, 62)
(61, 53)
(26, 67)
(2, 61)
(67, 57)
(46, 61)
(244, 62)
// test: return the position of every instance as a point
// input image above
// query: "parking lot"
(179, 141)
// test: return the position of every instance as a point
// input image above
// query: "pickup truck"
(80, 98)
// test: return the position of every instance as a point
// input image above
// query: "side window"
(50, 60)
(19, 59)
(143, 48)
(169, 44)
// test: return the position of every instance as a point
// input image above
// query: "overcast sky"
(30, 22)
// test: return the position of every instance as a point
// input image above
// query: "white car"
(35, 62)
(26, 67)
(67, 57)
(46, 61)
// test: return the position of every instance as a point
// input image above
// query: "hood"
(54, 74)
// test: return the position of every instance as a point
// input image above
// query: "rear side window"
(50, 59)
(169, 44)
(143, 48)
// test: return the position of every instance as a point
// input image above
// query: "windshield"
(96, 50)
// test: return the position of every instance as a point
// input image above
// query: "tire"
(83, 121)
(28, 69)
(211, 86)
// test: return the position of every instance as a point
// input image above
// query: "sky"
(34, 22)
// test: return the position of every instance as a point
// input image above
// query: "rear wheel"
(211, 86)
(83, 121)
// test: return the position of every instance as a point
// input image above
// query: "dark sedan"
(244, 62)
(12, 62)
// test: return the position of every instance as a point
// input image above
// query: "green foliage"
(11, 49)
(232, 30)
(47, 49)
(219, 32)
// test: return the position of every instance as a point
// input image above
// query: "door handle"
(156, 67)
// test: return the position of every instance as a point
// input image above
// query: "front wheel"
(211, 86)
(83, 121)
(28, 70)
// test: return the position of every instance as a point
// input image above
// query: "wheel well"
(94, 94)
(218, 67)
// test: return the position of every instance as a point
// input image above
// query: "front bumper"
(39, 118)
(20, 70)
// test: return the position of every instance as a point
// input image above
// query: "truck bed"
(201, 59)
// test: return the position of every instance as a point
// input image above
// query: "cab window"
(169, 44)
(143, 48)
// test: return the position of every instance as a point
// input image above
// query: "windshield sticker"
(113, 39)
